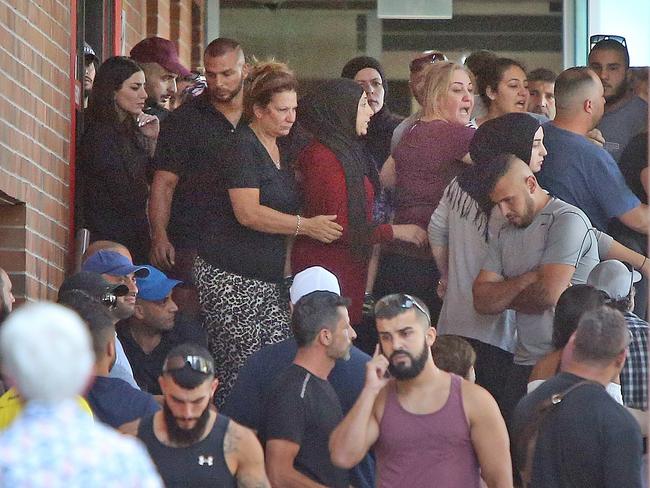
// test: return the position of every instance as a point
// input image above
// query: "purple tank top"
(426, 451)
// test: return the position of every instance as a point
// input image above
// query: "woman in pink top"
(427, 158)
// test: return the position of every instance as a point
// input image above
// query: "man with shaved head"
(545, 246)
(579, 172)
(587, 176)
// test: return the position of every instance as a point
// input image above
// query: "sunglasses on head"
(596, 38)
(406, 302)
(429, 58)
(196, 363)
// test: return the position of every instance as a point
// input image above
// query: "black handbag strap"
(528, 439)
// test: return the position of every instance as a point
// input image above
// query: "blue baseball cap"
(114, 264)
(155, 286)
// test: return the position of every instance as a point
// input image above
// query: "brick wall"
(34, 143)
(35, 126)
(136, 22)
(158, 18)
(181, 21)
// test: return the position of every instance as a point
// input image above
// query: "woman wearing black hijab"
(369, 74)
(338, 178)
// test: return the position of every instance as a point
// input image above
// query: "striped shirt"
(634, 375)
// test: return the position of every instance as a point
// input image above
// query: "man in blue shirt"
(112, 400)
(578, 171)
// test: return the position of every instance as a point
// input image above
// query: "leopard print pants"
(240, 316)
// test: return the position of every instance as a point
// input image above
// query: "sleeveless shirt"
(426, 451)
(200, 465)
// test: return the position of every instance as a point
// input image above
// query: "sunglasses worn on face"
(596, 38)
(196, 363)
(406, 302)
(429, 58)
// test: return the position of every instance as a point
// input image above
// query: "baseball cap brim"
(159, 292)
(156, 286)
(176, 67)
(138, 271)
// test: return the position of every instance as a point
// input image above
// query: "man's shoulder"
(568, 145)
(558, 208)
(273, 358)
(197, 112)
(189, 108)
(296, 384)
(634, 107)
(117, 386)
(293, 375)
(590, 398)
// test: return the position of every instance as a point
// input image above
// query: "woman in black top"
(241, 262)
(113, 156)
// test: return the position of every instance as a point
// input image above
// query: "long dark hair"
(101, 105)
(574, 301)
(103, 111)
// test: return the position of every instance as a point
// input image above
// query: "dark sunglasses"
(406, 302)
(196, 363)
(429, 58)
(596, 38)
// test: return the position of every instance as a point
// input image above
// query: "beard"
(620, 92)
(222, 96)
(185, 437)
(528, 216)
(408, 372)
(122, 310)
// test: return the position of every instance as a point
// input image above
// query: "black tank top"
(200, 465)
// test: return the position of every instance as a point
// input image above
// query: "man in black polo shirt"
(154, 329)
(186, 179)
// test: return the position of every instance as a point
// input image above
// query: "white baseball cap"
(312, 279)
(614, 278)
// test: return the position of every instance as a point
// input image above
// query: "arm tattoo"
(231, 440)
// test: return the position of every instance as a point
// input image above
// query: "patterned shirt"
(51, 446)
(634, 376)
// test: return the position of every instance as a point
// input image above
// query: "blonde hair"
(438, 79)
(267, 78)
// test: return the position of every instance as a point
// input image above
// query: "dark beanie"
(511, 133)
(355, 65)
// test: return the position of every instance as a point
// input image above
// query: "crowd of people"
(327, 294)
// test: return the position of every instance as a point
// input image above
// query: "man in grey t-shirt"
(546, 246)
(626, 115)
